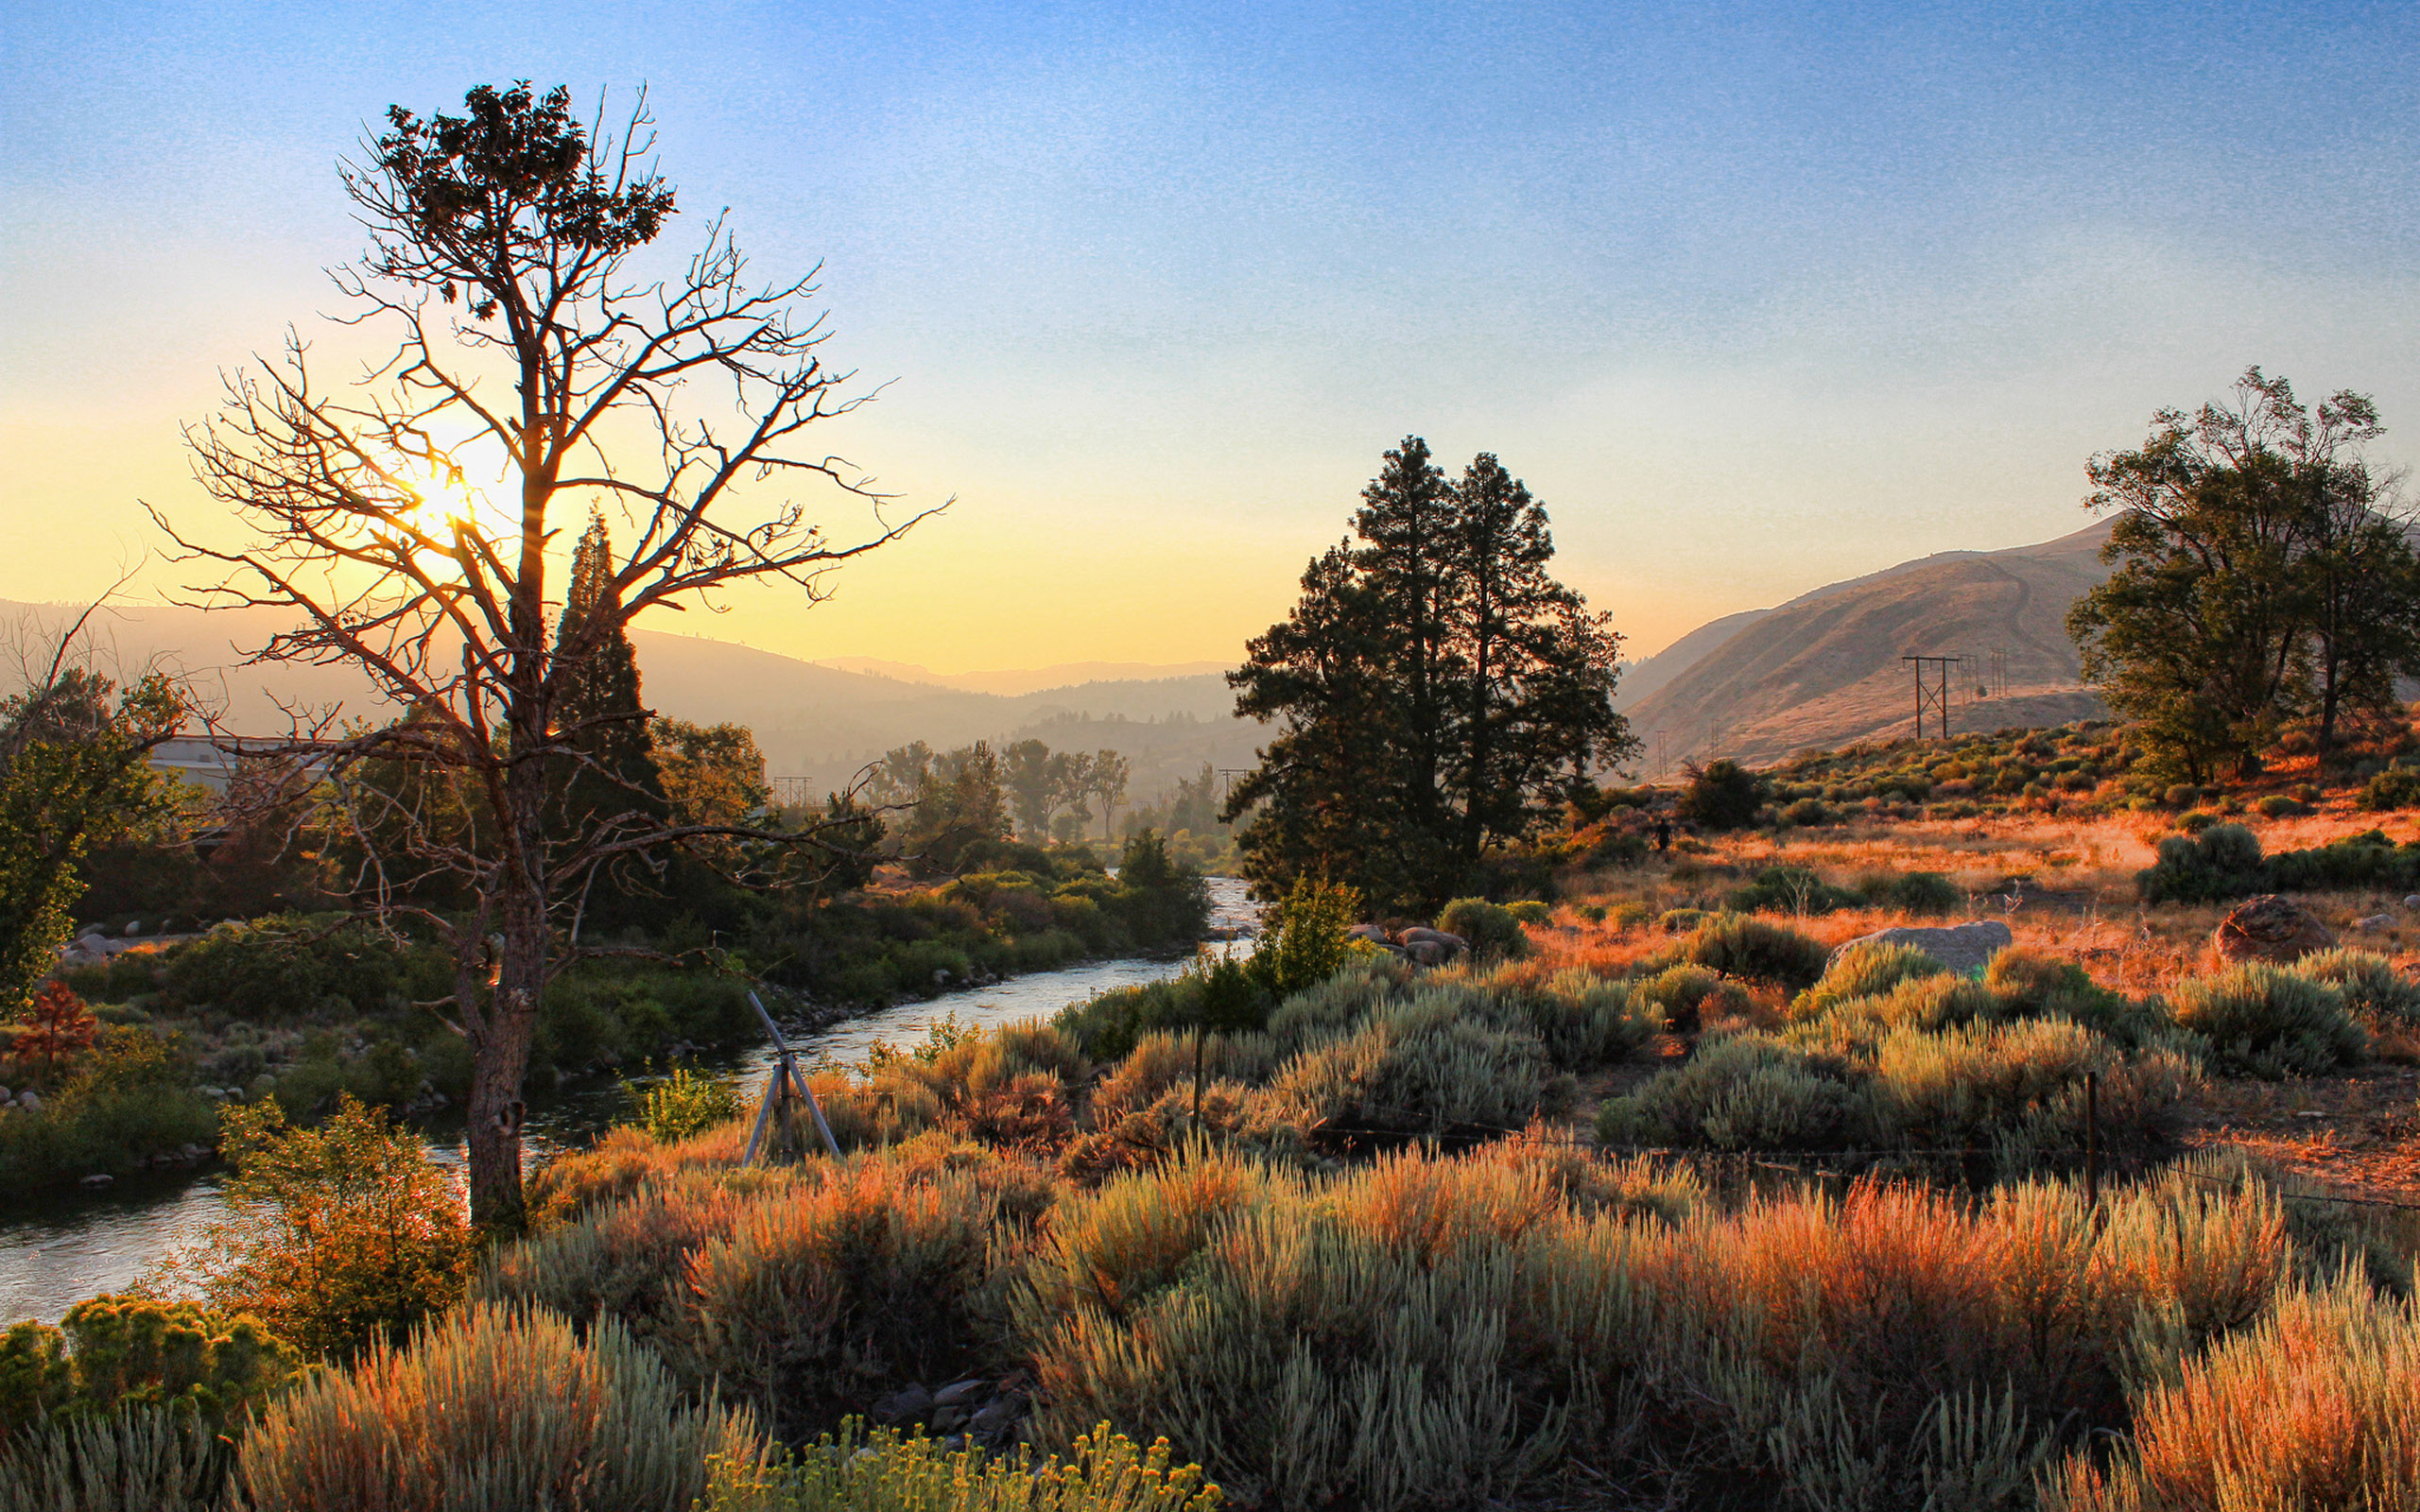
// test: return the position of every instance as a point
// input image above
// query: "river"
(85, 1244)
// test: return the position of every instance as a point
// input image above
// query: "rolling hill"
(815, 723)
(1823, 669)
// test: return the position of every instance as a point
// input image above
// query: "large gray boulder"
(1965, 949)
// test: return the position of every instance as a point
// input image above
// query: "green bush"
(1680, 921)
(1863, 970)
(288, 965)
(2279, 806)
(1789, 890)
(1491, 930)
(2398, 787)
(883, 1472)
(2374, 992)
(1680, 993)
(1746, 1092)
(131, 1100)
(111, 1352)
(138, 1459)
(1722, 795)
(1743, 946)
(491, 1409)
(2259, 1020)
(1917, 892)
(682, 1104)
(1421, 1066)
(1304, 942)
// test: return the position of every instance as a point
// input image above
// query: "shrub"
(1421, 1066)
(1917, 892)
(2223, 861)
(882, 1471)
(491, 1408)
(2394, 788)
(1743, 1092)
(2030, 984)
(1583, 1021)
(1863, 970)
(1722, 795)
(287, 965)
(336, 1236)
(683, 1104)
(1680, 921)
(139, 1459)
(2260, 1020)
(129, 1100)
(1680, 992)
(1740, 945)
(1789, 890)
(111, 1352)
(2279, 806)
(840, 1289)
(1491, 930)
(1807, 811)
(2312, 1407)
(1304, 942)
(2374, 992)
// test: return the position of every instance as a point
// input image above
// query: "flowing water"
(81, 1245)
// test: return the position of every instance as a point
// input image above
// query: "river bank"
(57, 1253)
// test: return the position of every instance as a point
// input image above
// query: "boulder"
(908, 1405)
(2374, 922)
(959, 1393)
(2270, 928)
(1370, 933)
(1965, 949)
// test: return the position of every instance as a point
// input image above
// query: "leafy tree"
(336, 1235)
(1435, 688)
(2249, 558)
(713, 783)
(1041, 781)
(531, 352)
(56, 1027)
(1104, 778)
(74, 774)
(1304, 942)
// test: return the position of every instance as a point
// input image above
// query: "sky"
(1753, 297)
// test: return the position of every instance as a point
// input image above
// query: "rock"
(1419, 935)
(1965, 949)
(945, 1419)
(904, 1406)
(4, 1097)
(99, 1178)
(959, 1393)
(2412, 901)
(2270, 928)
(940, 976)
(995, 1417)
(191, 1153)
(1370, 933)
(1427, 953)
(133, 927)
(2374, 922)
(29, 1100)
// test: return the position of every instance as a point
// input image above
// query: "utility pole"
(1935, 696)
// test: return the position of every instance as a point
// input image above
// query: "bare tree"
(530, 348)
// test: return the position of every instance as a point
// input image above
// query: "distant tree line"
(2263, 577)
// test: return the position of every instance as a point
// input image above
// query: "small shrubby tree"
(336, 1236)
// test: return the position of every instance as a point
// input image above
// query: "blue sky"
(1754, 297)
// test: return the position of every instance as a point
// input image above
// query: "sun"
(443, 498)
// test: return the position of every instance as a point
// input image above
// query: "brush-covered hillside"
(1823, 669)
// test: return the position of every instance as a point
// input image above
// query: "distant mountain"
(1013, 683)
(1824, 669)
(814, 722)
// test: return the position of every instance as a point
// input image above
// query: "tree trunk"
(500, 1061)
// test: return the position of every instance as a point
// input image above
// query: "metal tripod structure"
(786, 1088)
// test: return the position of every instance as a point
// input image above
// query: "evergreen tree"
(1434, 689)
(610, 778)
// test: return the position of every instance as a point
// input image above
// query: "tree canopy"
(2258, 579)
(1434, 689)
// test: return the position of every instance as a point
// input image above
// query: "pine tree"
(1434, 688)
(613, 781)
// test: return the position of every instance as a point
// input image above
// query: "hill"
(816, 723)
(1824, 669)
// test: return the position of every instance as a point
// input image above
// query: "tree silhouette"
(535, 350)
